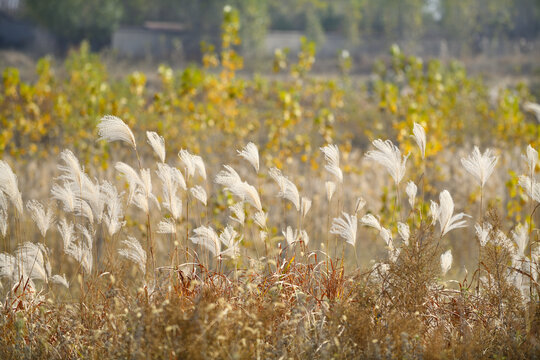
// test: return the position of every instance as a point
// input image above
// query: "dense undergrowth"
(299, 249)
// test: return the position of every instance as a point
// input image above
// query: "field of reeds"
(212, 215)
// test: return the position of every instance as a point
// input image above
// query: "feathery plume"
(192, 163)
(389, 156)
(360, 203)
(166, 226)
(228, 238)
(8, 267)
(60, 280)
(228, 177)
(479, 165)
(295, 237)
(521, 238)
(531, 158)
(82, 251)
(199, 193)
(72, 171)
(133, 251)
(419, 135)
(287, 189)
(171, 178)
(387, 237)
(67, 232)
(9, 186)
(331, 156)
(330, 189)
(305, 206)
(132, 177)
(346, 227)
(260, 219)
(44, 220)
(114, 213)
(531, 187)
(446, 261)
(66, 195)
(370, 220)
(411, 191)
(206, 236)
(251, 154)
(3, 222)
(434, 211)
(112, 128)
(33, 262)
(404, 232)
(482, 232)
(238, 212)
(157, 143)
(447, 220)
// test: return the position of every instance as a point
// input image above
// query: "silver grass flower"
(532, 108)
(43, 219)
(112, 128)
(360, 203)
(66, 195)
(251, 154)
(419, 135)
(260, 219)
(479, 165)
(447, 220)
(171, 179)
(206, 237)
(60, 280)
(114, 213)
(3, 222)
(296, 236)
(404, 232)
(370, 220)
(387, 237)
(9, 186)
(228, 238)
(199, 166)
(411, 191)
(263, 235)
(84, 210)
(346, 227)
(305, 206)
(3, 202)
(228, 177)
(531, 158)
(238, 211)
(521, 238)
(192, 163)
(330, 190)
(82, 250)
(134, 252)
(132, 177)
(287, 189)
(482, 232)
(446, 261)
(199, 193)
(8, 267)
(32, 261)
(389, 156)
(434, 212)
(93, 195)
(531, 187)
(247, 193)
(72, 171)
(166, 226)
(157, 143)
(331, 156)
(67, 232)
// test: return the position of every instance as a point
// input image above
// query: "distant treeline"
(467, 20)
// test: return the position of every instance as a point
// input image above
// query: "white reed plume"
(346, 227)
(446, 261)
(132, 177)
(166, 226)
(8, 267)
(419, 135)
(112, 128)
(33, 262)
(143, 193)
(531, 187)
(247, 193)
(171, 179)
(60, 280)
(43, 219)
(360, 204)
(404, 232)
(479, 165)
(133, 251)
(3, 202)
(531, 158)
(251, 154)
(287, 189)
(521, 237)
(228, 177)
(434, 211)
(228, 237)
(295, 236)
(260, 219)
(3, 222)
(206, 237)
(199, 193)
(532, 108)
(370, 220)
(93, 195)
(157, 143)
(192, 163)
(67, 232)
(447, 220)
(72, 171)
(389, 156)
(66, 195)
(238, 211)
(82, 251)
(411, 191)
(331, 156)
(84, 210)
(9, 186)
(305, 206)
(482, 232)
(387, 237)
(330, 190)
(114, 213)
